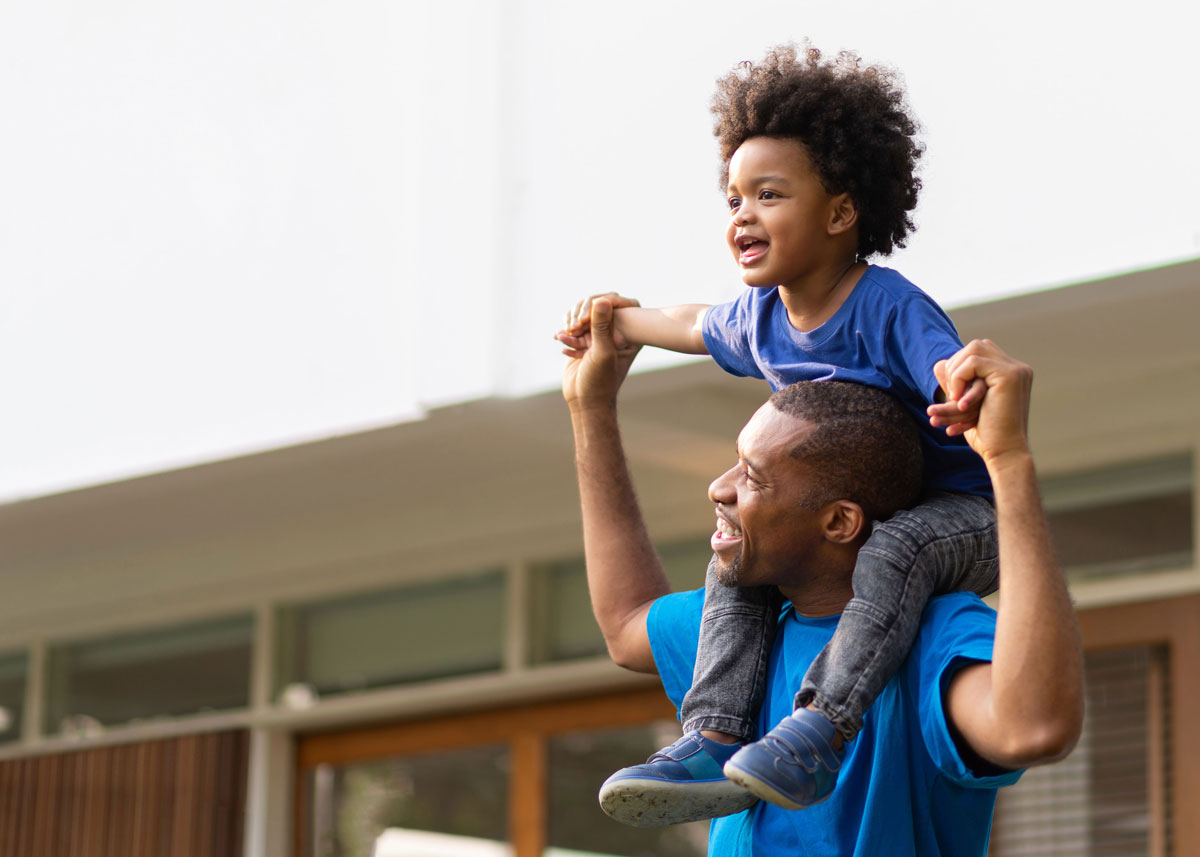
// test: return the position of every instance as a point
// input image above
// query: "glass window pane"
(1122, 520)
(579, 762)
(12, 694)
(563, 624)
(163, 672)
(442, 804)
(686, 563)
(376, 639)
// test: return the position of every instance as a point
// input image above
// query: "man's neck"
(819, 599)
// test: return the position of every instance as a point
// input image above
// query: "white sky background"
(240, 225)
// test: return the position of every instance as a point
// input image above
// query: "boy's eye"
(768, 194)
(734, 202)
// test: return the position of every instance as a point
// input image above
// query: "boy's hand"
(594, 374)
(983, 372)
(575, 333)
(963, 397)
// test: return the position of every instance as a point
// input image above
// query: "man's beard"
(727, 574)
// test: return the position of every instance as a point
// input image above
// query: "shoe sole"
(648, 803)
(763, 789)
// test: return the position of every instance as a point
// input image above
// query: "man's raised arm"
(624, 572)
(1026, 706)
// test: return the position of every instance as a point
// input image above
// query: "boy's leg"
(736, 634)
(685, 782)
(947, 543)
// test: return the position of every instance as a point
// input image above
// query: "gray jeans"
(946, 544)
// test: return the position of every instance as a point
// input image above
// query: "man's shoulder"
(958, 624)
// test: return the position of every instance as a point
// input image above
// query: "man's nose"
(721, 490)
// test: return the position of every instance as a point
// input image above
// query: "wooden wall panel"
(182, 796)
(1175, 624)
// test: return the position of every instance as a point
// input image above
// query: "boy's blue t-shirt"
(903, 790)
(887, 334)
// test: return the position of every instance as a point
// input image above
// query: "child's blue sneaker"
(794, 765)
(681, 783)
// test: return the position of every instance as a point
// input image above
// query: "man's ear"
(843, 214)
(844, 522)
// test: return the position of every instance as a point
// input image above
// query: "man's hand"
(987, 395)
(594, 372)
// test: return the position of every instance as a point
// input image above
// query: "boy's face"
(780, 213)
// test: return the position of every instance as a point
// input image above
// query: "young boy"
(819, 159)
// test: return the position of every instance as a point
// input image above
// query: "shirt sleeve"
(728, 331)
(673, 626)
(920, 335)
(958, 630)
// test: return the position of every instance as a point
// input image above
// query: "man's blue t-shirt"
(903, 788)
(887, 334)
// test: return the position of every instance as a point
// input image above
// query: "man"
(963, 715)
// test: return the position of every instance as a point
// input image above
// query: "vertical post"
(1184, 666)
(527, 794)
(517, 620)
(269, 775)
(35, 693)
(1156, 748)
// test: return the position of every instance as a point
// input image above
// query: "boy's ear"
(843, 214)
(844, 521)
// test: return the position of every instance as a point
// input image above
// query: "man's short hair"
(863, 448)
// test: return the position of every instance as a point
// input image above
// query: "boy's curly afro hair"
(852, 120)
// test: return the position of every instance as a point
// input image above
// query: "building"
(222, 659)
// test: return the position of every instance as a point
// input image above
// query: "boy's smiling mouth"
(750, 248)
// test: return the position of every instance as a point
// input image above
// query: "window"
(376, 639)
(564, 627)
(1109, 796)
(160, 673)
(12, 695)
(450, 802)
(1123, 520)
(579, 762)
(513, 782)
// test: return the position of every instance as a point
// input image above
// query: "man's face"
(767, 531)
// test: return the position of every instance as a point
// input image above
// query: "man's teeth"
(727, 529)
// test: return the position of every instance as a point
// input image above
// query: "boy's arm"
(676, 328)
(1025, 707)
